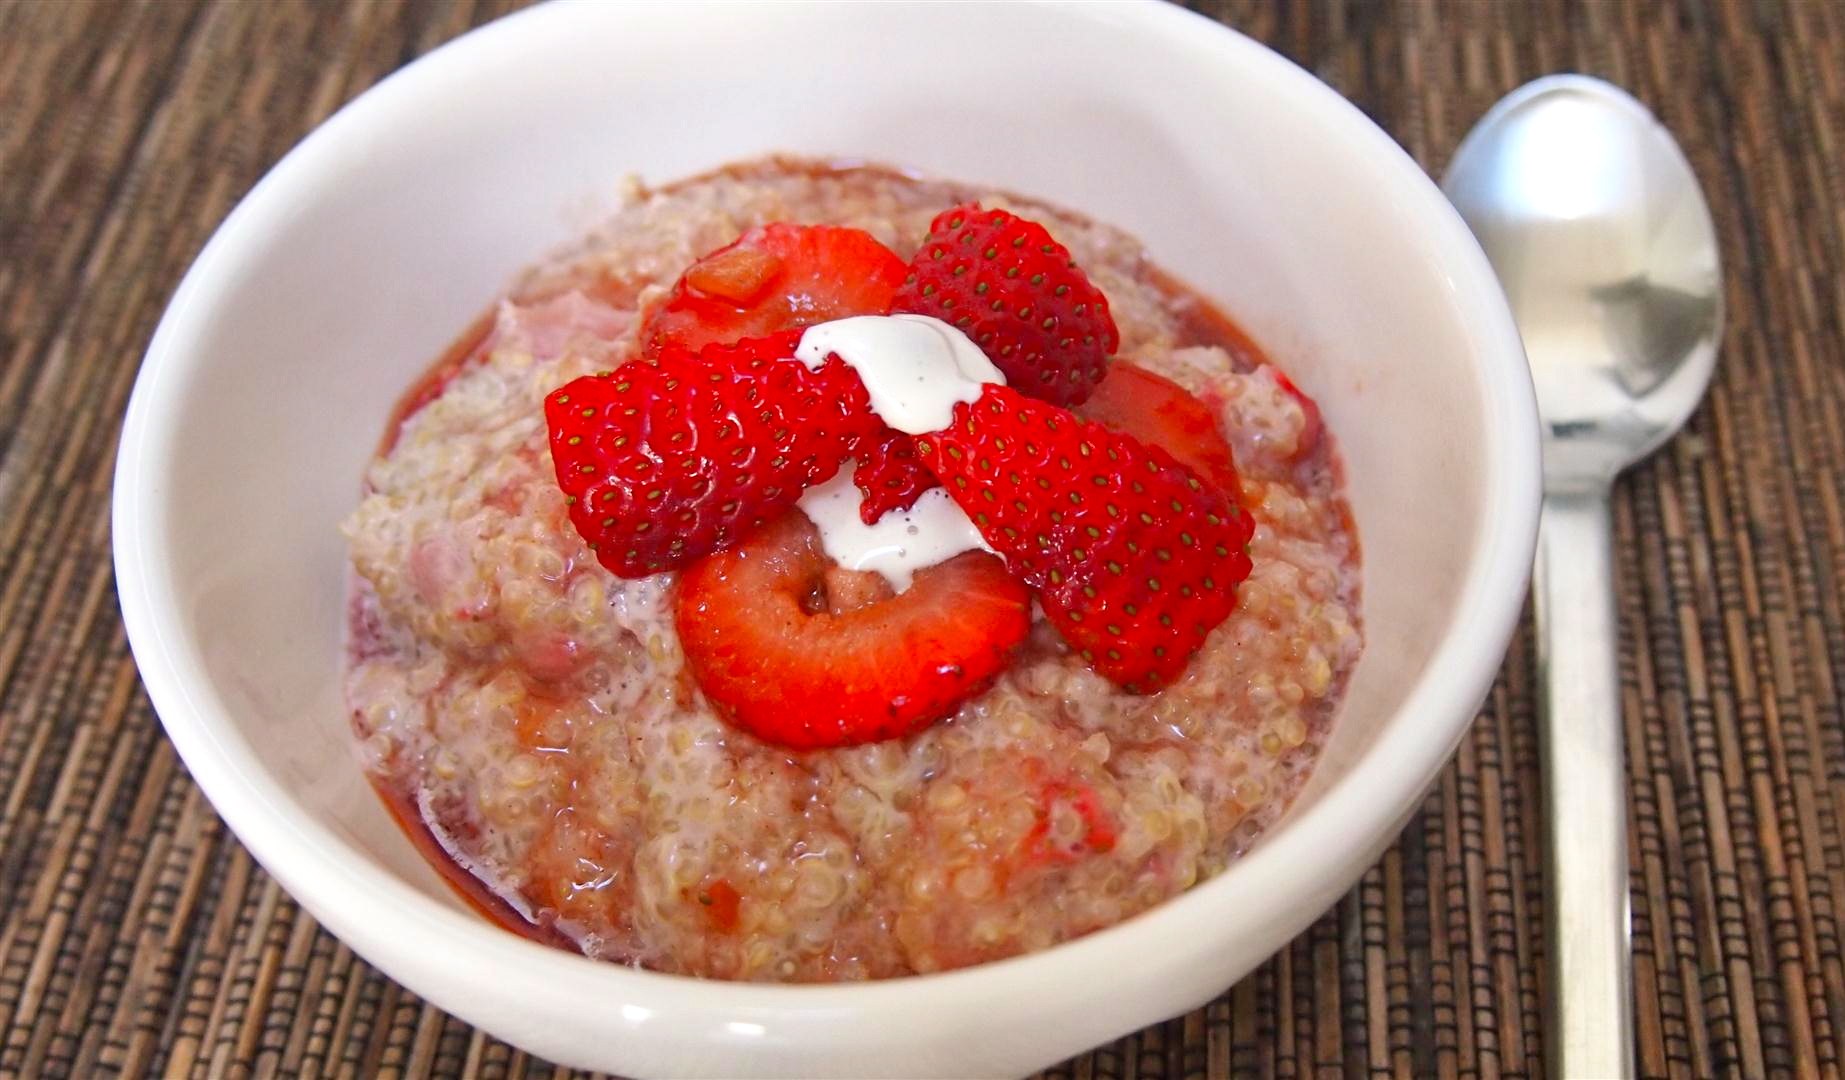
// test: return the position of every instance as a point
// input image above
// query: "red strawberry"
(1156, 410)
(1017, 293)
(888, 475)
(775, 277)
(1072, 796)
(664, 462)
(797, 657)
(1135, 558)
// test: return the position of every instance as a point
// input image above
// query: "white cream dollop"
(901, 543)
(916, 368)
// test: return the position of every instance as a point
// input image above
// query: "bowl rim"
(323, 872)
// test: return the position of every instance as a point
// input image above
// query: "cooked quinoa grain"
(536, 713)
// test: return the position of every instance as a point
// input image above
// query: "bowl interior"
(377, 241)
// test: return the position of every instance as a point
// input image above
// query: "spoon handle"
(1590, 1026)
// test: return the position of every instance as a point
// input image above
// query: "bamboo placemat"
(137, 936)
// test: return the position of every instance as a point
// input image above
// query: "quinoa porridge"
(533, 719)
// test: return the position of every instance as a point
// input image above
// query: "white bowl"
(358, 258)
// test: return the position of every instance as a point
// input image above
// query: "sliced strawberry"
(1156, 410)
(888, 476)
(1135, 558)
(775, 277)
(723, 904)
(1019, 296)
(796, 656)
(664, 462)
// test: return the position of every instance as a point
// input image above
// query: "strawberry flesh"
(804, 663)
(1135, 558)
(888, 475)
(664, 462)
(775, 277)
(1156, 410)
(1017, 293)
(737, 274)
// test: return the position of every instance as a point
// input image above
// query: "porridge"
(703, 745)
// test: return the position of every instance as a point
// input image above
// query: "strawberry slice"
(888, 476)
(1136, 558)
(1130, 399)
(799, 653)
(1017, 293)
(775, 277)
(1156, 410)
(664, 462)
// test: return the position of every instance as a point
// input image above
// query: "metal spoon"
(1602, 240)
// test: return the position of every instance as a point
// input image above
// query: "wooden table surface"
(137, 936)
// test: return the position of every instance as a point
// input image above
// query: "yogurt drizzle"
(901, 543)
(916, 369)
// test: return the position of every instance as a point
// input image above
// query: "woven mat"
(137, 936)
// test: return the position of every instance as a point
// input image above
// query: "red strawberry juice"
(529, 715)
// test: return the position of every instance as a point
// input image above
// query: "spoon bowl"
(1603, 243)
